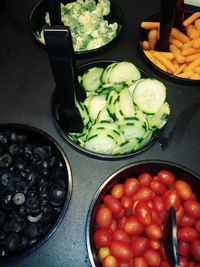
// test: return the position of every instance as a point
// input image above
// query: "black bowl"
(29, 148)
(37, 22)
(55, 104)
(119, 176)
(143, 36)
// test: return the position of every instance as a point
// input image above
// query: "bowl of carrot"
(182, 62)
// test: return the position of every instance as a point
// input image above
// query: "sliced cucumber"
(126, 103)
(96, 104)
(124, 71)
(159, 119)
(91, 79)
(133, 130)
(104, 115)
(133, 85)
(83, 112)
(149, 95)
(126, 147)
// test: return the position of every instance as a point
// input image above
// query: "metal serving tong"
(170, 239)
(171, 15)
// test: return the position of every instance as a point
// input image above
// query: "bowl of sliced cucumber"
(124, 112)
(94, 25)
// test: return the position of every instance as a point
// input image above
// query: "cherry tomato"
(145, 179)
(172, 199)
(121, 250)
(120, 234)
(131, 186)
(164, 264)
(183, 262)
(110, 261)
(121, 222)
(112, 203)
(119, 214)
(156, 218)
(158, 187)
(104, 217)
(128, 212)
(187, 234)
(195, 249)
(192, 208)
(113, 225)
(139, 262)
(166, 177)
(126, 201)
(144, 194)
(125, 264)
(154, 244)
(143, 212)
(187, 220)
(183, 248)
(197, 226)
(152, 257)
(133, 226)
(179, 214)
(183, 188)
(153, 231)
(102, 237)
(103, 253)
(191, 264)
(117, 191)
(158, 204)
(139, 245)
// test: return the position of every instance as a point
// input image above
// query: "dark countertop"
(26, 86)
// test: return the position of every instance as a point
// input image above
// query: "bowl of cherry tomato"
(127, 214)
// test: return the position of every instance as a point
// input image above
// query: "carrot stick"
(192, 57)
(185, 74)
(167, 63)
(179, 35)
(195, 76)
(190, 51)
(191, 19)
(193, 33)
(148, 25)
(180, 69)
(176, 42)
(152, 38)
(177, 54)
(196, 43)
(197, 24)
(154, 61)
(145, 45)
(197, 69)
(188, 44)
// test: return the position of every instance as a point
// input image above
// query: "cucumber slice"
(124, 71)
(159, 119)
(106, 73)
(103, 115)
(96, 104)
(110, 103)
(126, 147)
(101, 143)
(91, 79)
(126, 103)
(83, 112)
(149, 95)
(133, 130)
(133, 85)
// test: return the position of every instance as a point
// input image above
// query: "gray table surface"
(26, 86)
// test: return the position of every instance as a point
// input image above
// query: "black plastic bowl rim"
(54, 105)
(119, 176)
(37, 21)
(143, 37)
(33, 132)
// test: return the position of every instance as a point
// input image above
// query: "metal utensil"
(170, 239)
(61, 56)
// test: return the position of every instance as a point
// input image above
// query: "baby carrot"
(193, 33)
(197, 24)
(191, 19)
(188, 44)
(197, 69)
(193, 64)
(152, 38)
(167, 63)
(154, 61)
(145, 45)
(149, 25)
(179, 35)
(176, 42)
(196, 43)
(168, 55)
(185, 74)
(192, 57)
(195, 76)
(189, 51)
(180, 69)
(177, 54)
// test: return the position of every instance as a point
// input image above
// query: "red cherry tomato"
(183, 248)
(197, 226)
(121, 222)
(145, 179)
(172, 199)
(164, 264)
(133, 226)
(183, 262)
(139, 262)
(154, 244)
(112, 203)
(183, 188)
(110, 261)
(139, 245)
(131, 186)
(152, 257)
(153, 231)
(114, 225)
(179, 214)
(195, 249)
(156, 218)
(166, 177)
(192, 208)
(102, 237)
(125, 264)
(126, 201)
(143, 212)
(187, 234)
(120, 234)
(121, 250)
(158, 187)
(143, 194)
(117, 191)
(158, 204)
(103, 217)
(187, 220)
(119, 214)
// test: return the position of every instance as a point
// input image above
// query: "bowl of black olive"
(35, 189)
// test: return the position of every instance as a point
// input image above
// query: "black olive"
(6, 201)
(57, 195)
(32, 178)
(5, 160)
(23, 242)
(44, 197)
(14, 225)
(12, 241)
(21, 186)
(40, 152)
(31, 230)
(32, 202)
(2, 235)
(5, 178)
(2, 217)
(32, 241)
(13, 149)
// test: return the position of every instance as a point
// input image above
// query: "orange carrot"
(185, 74)
(191, 19)
(177, 54)
(195, 76)
(167, 63)
(197, 24)
(189, 51)
(176, 42)
(193, 33)
(149, 25)
(179, 35)
(196, 43)
(152, 38)
(154, 61)
(145, 45)
(192, 57)
(193, 64)
(180, 69)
